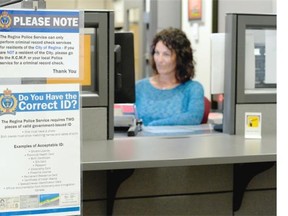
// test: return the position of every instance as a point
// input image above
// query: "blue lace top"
(182, 105)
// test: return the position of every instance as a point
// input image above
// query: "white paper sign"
(40, 150)
(253, 122)
(41, 43)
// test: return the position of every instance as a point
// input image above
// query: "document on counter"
(177, 130)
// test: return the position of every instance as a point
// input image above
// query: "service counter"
(202, 147)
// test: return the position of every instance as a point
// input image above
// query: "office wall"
(79, 4)
(200, 35)
(240, 6)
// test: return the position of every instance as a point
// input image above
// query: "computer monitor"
(124, 67)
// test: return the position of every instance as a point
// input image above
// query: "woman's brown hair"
(177, 41)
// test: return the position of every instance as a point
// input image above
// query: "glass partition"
(250, 68)
(256, 59)
(260, 61)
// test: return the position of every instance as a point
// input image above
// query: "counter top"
(168, 151)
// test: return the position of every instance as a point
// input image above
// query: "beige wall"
(79, 4)
(199, 34)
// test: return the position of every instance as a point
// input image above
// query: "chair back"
(207, 108)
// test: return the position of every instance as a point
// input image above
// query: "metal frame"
(234, 89)
(256, 21)
(103, 94)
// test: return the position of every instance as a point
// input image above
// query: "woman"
(170, 96)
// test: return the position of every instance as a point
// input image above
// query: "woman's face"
(165, 59)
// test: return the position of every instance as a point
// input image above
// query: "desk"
(167, 151)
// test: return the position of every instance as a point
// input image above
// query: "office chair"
(207, 108)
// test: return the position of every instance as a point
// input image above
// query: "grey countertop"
(176, 150)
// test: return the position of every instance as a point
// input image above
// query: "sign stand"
(253, 125)
(39, 123)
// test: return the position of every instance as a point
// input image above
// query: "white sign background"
(40, 149)
(41, 43)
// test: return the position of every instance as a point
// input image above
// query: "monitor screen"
(124, 67)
